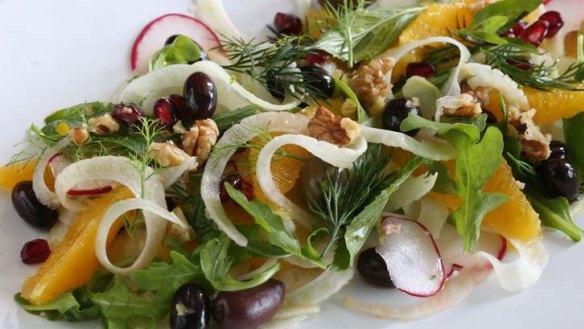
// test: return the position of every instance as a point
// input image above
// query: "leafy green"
(496, 18)
(361, 34)
(471, 129)
(216, 262)
(425, 91)
(227, 119)
(71, 306)
(346, 193)
(273, 227)
(574, 135)
(358, 230)
(344, 88)
(143, 300)
(183, 50)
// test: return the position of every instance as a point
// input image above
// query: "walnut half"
(199, 140)
(328, 127)
(167, 154)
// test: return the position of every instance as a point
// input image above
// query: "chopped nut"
(103, 125)
(463, 105)
(79, 135)
(167, 154)
(372, 84)
(199, 140)
(348, 108)
(534, 143)
(179, 128)
(328, 127)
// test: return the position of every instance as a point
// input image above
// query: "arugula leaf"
(71, 306)
(471, 129)
(344, 88)
(361, 34)
(227, 119)
(183, 50)
(574, 135)
(475, 164)
(147, 293)
(357, 232)
(216, 262)
(273, 226)
(554, 212)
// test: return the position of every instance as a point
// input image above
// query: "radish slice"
(147, 89)
(457, 290)
(90, 192)
(412, 257)
(154, 34)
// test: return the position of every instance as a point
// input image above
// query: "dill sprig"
(272, 64)
(345, 193)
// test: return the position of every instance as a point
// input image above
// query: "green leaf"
(475, 164)
(357, 232)
(183, 50)
(554, 213)
(147, 293)
(216, 263)
(574, 135)
(344, 88)
(472, 129)
(71, 306)
(227, 119)
(425, 91)
(79, 112)
(272, 225)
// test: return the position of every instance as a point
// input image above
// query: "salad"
(240, 183)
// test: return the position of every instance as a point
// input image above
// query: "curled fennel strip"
(231, 95)
(431, 148)
(124, 172)
(213, 14)
(341, 157)
(246, 130)
(41, 190)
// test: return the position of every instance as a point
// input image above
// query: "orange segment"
(437, 20)
(554, 105)
(13, 174)
(73, 262)
(514, 219)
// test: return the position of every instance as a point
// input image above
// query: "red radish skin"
(90, 192)
(154, 34)
(392, 227)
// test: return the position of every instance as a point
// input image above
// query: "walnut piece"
(534, 143)
(167, 154)
(463, 105)
(199, 140)
(328, 127)
(372, 84)
(79, 135)
(103, 125)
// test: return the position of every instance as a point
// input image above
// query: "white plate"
(58, 53)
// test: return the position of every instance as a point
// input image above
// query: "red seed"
(288, 24)
(180, 109)
(35, 251)
(515, 30)
(127, 113)
(535, 33)
(317, 58)
(164, 112)
(239, 184)
(555, 21)
(422, 69)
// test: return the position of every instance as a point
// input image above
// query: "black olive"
(190, 308)
(171, 39)
(372, 268)
(491, 118)
(559, 178)
(250, 308)
(30, 209)
(200, 96)
(396, 111)
(275, 86)
(558, 150)
(318, 79)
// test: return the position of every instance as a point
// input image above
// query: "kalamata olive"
(29, 207)
(318, 79)
(200, 96)
(250, 308)
(558, 150)
(559, 178)
(190, 308)
(373, 269)
(396, 111)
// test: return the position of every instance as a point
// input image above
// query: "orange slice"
(554, 105)
(15, 173)
(73, 262)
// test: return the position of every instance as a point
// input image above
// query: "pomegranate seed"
(422, 69)
(515, 30)
(35, 251)
(164, 112)
(535, 33)
(317, 58)
(555, 22)
(239, 184)
(180, 109)
(127, 113)
(288, 24)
